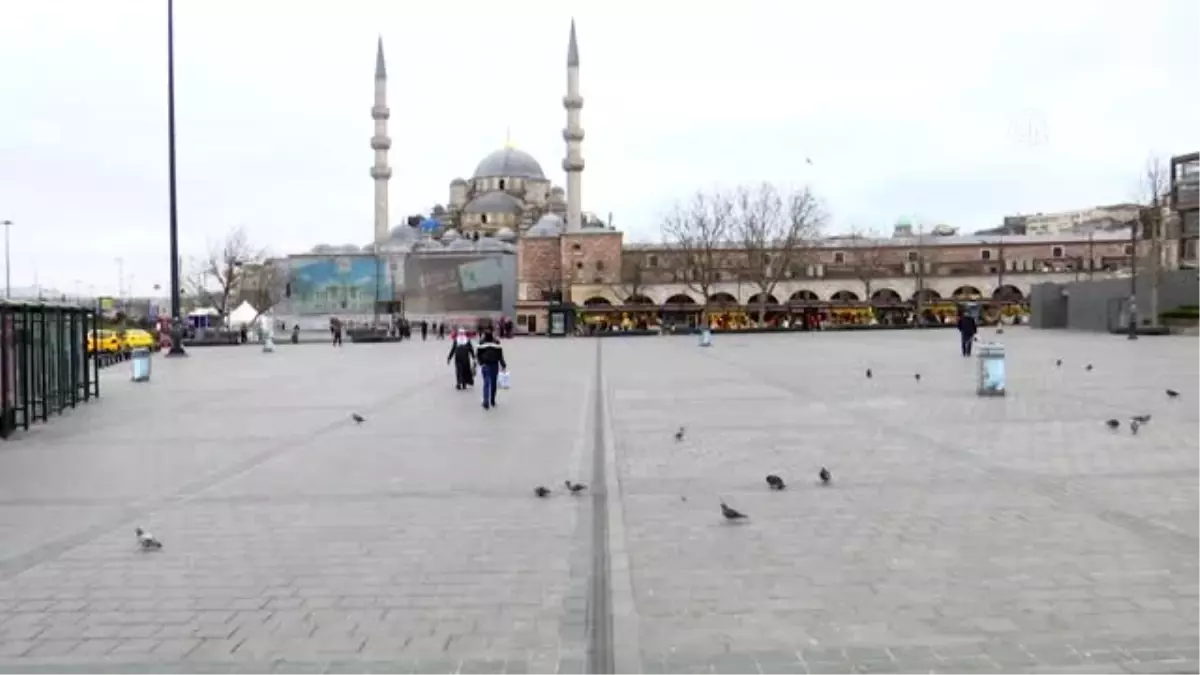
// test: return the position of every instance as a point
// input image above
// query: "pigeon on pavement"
(775, 482)
(730, 513)
(1171, 393)
(575, 488)
(147, 540)
(917, 377)
(1088, 368)
(1141, 419)
(1113, 424)
(679, 435)
(358, 419)
(869, 374)
(1134, 426)
(541, 492)
(1058, 362)
(825, 476)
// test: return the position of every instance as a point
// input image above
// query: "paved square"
(959, 534)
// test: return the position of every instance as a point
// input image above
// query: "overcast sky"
(939, 111)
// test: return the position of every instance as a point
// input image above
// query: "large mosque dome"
(509, 163)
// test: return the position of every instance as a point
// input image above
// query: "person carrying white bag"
(490, 357)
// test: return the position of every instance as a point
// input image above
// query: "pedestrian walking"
(464, 357)
(966, 331)
(424, 330)
(490, 356)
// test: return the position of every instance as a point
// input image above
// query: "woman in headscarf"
(463, 355)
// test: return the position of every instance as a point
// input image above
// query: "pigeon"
(147, 540)
(575, 488)
(775, 482)
(1141, 419)
(730, 513)
(917, 377)
(358, 419)
(679, 435)
(1058, 362)
(869, 374)
(1113, 424)
(1088, 368)
(1171, 393)
(825, 476)
(999, 331)
(1134, 426)
(809, 161)
(541, 492)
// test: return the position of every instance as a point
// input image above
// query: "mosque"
(507, 199)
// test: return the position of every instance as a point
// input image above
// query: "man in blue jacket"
(966, 330)
(490, 356)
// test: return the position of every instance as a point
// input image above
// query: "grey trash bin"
(992, 378)
(140, 360)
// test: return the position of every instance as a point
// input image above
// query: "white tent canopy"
(245, 314)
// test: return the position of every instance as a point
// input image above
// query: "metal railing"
(45, 367)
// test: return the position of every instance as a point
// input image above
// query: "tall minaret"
(381, 143)
(573, 135)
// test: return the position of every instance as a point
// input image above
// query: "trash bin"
(140, 358)
(706, 337)
(991, 370)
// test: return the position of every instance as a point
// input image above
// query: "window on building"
(985, 254)
(839, 258)
(599, 265)
(579, 265)
(1056, 252)
(501, 183)
(652, 261)
(483, 219)
(913, 256)
(576, 246)
(1128, 249)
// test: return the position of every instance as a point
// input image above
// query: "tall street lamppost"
(176, 318)
(7, 261)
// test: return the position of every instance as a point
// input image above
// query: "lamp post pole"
(1133, 251)
(7, 261)
(176, 318)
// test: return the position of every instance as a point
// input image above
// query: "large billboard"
(451, 283)
(338, 284)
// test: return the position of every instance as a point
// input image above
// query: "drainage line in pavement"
(600, 645)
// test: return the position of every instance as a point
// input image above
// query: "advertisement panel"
(439, 284)
(343, 283)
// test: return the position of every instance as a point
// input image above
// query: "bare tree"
(698, 237)
(776, 229)
(265, 284)
(634, 276)
(216, 279)
(868, 259)
(1154, 185)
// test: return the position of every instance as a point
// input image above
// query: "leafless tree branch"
(867, 259)
(698, 234)
(776, 229)
(215, 280)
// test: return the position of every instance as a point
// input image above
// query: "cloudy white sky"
(941, 111)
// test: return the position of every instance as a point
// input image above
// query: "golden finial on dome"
(508, 141)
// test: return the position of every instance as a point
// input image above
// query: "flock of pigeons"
(774, 482)
(1137, 421)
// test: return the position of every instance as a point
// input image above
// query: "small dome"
(461, 245)
(367, 248)
(509, 163)
(505, 234)
(396, 246)
(426, 245)
(457, 182)
(557, 190)
(494, 202)
(450, 235)
(322, 248)
(402, 233)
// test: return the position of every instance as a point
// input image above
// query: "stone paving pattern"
(960, 534)
(295, 539)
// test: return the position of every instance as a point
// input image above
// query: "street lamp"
(7, 261)
(176, 319)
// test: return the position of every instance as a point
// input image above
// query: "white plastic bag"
(503, 381)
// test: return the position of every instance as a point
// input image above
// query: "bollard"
(269, 344)
(140, 360)
(991, 370)
(706, 337)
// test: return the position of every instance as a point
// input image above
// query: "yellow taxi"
(103, 341)
(136, 338)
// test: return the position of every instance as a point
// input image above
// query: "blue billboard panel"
(344, 283)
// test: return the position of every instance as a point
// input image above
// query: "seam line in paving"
(600, 651)
(11, 567)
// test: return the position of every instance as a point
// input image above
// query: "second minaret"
(573, 135)
(381, 173)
